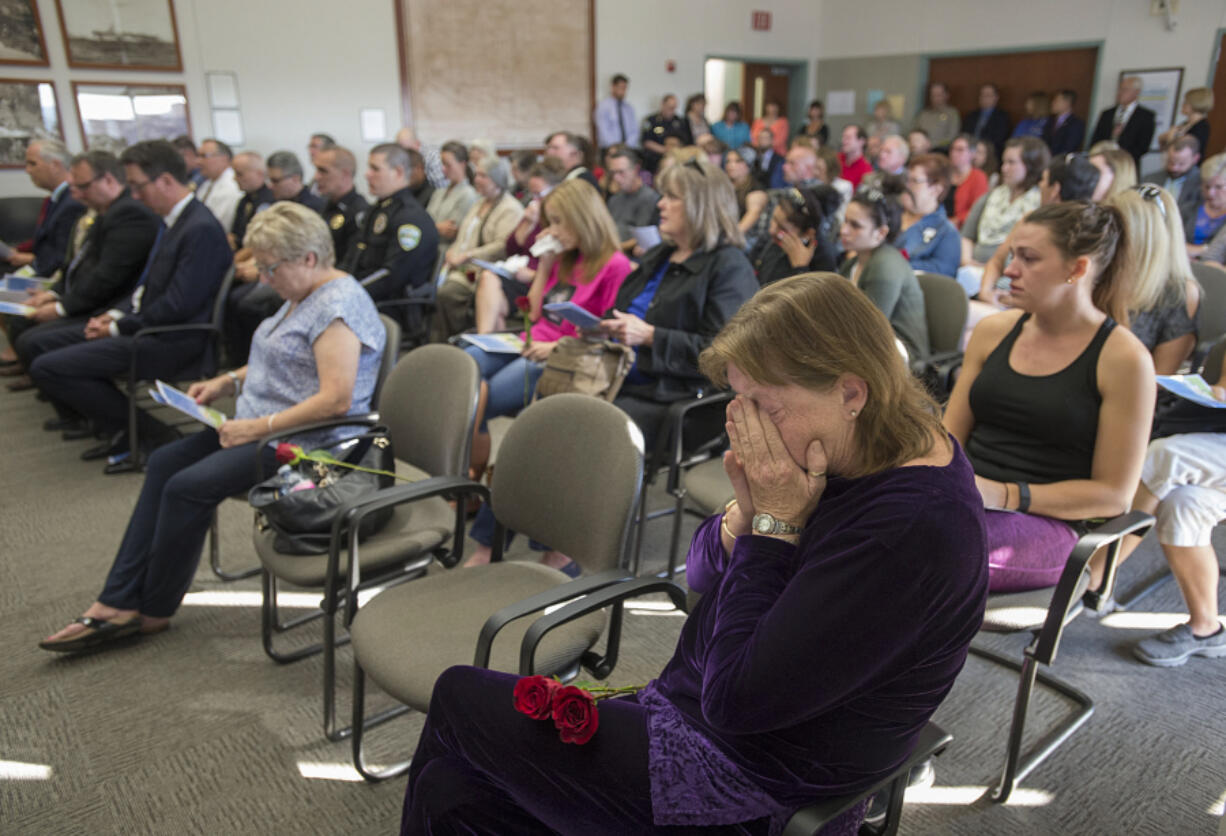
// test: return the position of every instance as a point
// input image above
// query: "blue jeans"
(504, 374)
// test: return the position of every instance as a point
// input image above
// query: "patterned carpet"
(197, 731)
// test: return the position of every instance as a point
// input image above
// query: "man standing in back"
(614, 118)
(1129, 124)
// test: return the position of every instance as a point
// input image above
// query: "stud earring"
(853, 413)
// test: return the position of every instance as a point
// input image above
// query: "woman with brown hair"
(848, 493)
(1054, 403)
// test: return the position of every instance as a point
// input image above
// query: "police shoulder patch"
(409, 236)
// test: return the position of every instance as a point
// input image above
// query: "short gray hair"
(252, 156)
(286, 162)
(496, 169)
(290, 231)
(52, 150)
(395, 156)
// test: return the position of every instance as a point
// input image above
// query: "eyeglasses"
(872, 195)
(269, 269)
(83, 186)
(1150, 192)
(137, 187)
(276, 180)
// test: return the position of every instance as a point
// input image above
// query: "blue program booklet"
(493, 267)
(15, 309)
(24, 283)
(168, 395)
(1190, 387)
(502, 343)
(574, 314)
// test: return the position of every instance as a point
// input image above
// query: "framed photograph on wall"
(116, 115)
(21, 34)
(1160, 91)
(28, 111)
(120, 34)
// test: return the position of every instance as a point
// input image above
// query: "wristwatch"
(766, 524)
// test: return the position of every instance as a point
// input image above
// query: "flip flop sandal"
(103, 632)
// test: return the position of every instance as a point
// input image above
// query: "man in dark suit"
(767, 169)
(104, 269)
(178, 285)
(47, 162)
(1129, 124)
(1181, 174)
(1064, 131)
(989, 122)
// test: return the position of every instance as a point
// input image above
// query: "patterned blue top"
(281, 369)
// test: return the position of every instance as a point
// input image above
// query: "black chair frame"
(1066, 604)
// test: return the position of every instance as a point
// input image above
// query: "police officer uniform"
(657, 129)
(311, 201)
(398, 235)
(344, 217)
(252, 204)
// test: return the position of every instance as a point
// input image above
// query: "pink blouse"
(595, 297)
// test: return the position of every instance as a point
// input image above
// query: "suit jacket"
(769, 176)
(1066, 139)
(111, 258)
(52, 235)
(1189, 192)
(1138, 132)
(183, 275)
(996, 131)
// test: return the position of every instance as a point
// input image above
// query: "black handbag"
(1177, 416)
(303, 519)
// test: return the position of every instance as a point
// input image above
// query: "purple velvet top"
(811, 669)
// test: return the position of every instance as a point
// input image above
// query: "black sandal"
(103, 632)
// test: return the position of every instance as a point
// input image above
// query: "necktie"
(621, 125)
(982, 123)
(42, 211)
(1118, 128)
(76, 259)
(140, 283)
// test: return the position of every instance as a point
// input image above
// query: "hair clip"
(1149, 191)
(694, 164)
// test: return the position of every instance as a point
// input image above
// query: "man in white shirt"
(219, 192)
(614, 117)
(1129, 124)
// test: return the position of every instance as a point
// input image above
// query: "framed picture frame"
(120, 34)
(1160, 92)
(21, 34)
(114, 115)
(29, 110)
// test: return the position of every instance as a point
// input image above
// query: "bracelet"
(238, 383)
(1023, 497)
(270, 417)
(723, 522)
(1005, 505)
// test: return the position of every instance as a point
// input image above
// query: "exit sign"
(762, 21)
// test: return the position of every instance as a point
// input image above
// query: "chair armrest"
(369, 419)
(374, 277)
(154, 330)
(809, 821)
(1074, 578)
(612, 594)
(351, 514)
(539, 601)
(670, 446)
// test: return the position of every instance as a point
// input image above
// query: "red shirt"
(854, 172)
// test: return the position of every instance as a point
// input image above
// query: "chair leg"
(215, 556)
(1017, 765)
(640, 523)
(1143, 590)
(270, 624)
(674, 541)
(361, 723)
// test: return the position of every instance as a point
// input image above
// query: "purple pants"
(1026, 551)
(481, 767)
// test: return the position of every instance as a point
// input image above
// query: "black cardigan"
(691, 305)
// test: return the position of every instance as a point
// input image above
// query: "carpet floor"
(197, 731)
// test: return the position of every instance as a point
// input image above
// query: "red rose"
(574, 714)
(523, 303)
(534, 696)
(287, 453)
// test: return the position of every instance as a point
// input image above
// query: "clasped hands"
(764, 476)
(98, 327)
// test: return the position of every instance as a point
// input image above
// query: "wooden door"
(773, 88)
(1018, 74)
(1217, 116)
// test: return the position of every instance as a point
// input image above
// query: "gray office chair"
(569, 474)
(429, 406)
(1212, 312)
(946, 308)
(391, 352)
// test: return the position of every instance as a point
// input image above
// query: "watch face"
(764, 523)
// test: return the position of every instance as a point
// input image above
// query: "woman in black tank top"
(1054, 403)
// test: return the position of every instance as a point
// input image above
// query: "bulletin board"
(510, 71)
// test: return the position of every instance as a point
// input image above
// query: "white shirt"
(1124, 113)
(221, 196)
